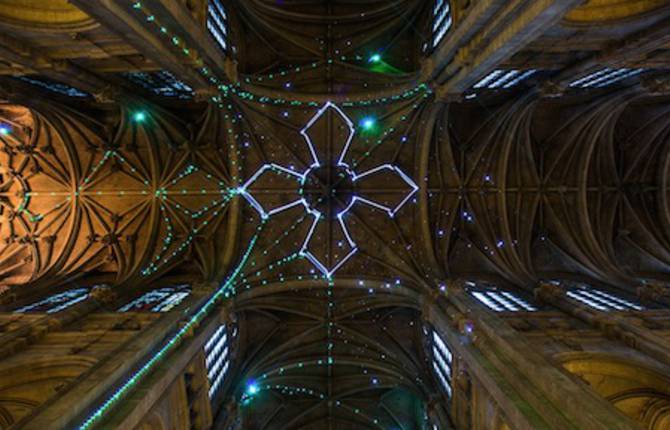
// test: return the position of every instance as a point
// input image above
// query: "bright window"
(57, 302)
(442, 21)
(504, 79)
(217, 358)
(600, 300)
(217, 23)
(442, 362)
(605, 77)
(53, 86)
(159, 300)
(161, 83)
(502, 301)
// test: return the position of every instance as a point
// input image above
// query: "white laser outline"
(302, 177)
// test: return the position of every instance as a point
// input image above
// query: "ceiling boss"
(328, 189)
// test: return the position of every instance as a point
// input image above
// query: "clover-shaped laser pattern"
(345, 175)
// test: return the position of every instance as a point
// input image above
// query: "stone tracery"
(331, 204)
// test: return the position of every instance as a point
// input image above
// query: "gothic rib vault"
(330, 206)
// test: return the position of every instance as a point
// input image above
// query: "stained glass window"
(442, 20)
(53, 86)
(57, 302)
(158, 300)
(217, 23)
(161, 83)
(605, 77)
(217, 359)
(442, 362)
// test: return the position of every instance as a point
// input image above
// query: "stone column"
(529, 389)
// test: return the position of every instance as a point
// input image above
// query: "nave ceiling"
(509, 187)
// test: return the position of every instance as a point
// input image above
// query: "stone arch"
(8, 408)
(638, 388)
(612, 11)
(24, 386)
(45, 15)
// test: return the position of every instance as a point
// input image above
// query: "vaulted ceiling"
(395, 188)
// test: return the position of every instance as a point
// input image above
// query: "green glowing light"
(139, 116)
(378, 65)
(368, 123)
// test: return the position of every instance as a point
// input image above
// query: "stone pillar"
(530, 391)
(446, 320)
(437, 414)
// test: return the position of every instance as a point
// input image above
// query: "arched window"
(498, 300)
(217, 358)
(605, 77)
(442, 21)
(53, 86)
(162, 83)
(504, 79)
(598, 299)
(158, 300)
(217, 23)
(442, 362)
(57, 302)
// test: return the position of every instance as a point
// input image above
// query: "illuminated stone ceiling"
(327, 163)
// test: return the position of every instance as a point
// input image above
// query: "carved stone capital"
(230, 67)
(427, 305)
(652, 291)
(227, 315)
(656, 85)
(109, 94)
(104, 294)
(547, 292)
(456, 286)
(204, 287)
(551, 89)
(6, 295)
(607, 326)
